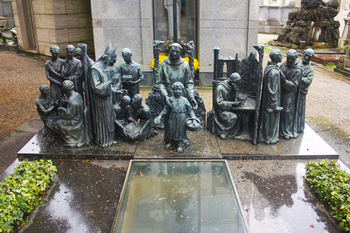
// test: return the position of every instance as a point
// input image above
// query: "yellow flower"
(162, 57)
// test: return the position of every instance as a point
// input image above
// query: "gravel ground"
(329, 97)
(20, 81)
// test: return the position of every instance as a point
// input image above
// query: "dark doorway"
(185, 23)
(25, 13)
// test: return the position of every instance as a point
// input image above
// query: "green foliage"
(283, 48)
(22, 190)
(331, 65)
(267, 50)
(344, 47)
(270, 41)
(332, 185)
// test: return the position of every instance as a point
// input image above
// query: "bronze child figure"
(175, 115)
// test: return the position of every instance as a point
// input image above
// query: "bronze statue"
(53, 69)
(133, 121)
(115, 71)
(290, 80)
(271, 100)
(46, 108)
(175, 115)
(83, 56)
(171, 70)
(71, 123)
(101, 85)
(226, 121)
(156, 51)
(121, 111)
(140, 116)
(306, 80)
(131, 73)
(87, 63)
(73, 70)
(175, 69)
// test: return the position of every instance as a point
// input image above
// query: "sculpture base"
(203, 145)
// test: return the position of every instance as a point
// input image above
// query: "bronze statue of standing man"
(175, 69)
(306, 80)
(290, 80)
(130, 69)
(73, 70)
(53, 69)
(101, 85)
(271, 100)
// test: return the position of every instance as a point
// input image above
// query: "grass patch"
(267, 50)
(270, 41)
(330, 65)
(332, 185)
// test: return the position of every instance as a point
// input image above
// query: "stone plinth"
(203, 145)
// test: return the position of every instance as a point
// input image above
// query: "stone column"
(346, 34)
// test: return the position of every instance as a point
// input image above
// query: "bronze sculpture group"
(99, 102)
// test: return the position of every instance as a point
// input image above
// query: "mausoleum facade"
(230, 25)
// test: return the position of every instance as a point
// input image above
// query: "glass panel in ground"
(181, 196)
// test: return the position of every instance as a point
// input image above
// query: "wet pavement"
(276, 198)
(83, 197)
(273, 195)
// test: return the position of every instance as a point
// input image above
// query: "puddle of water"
(179, 196)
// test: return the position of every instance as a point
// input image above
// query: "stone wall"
(273, 18)
(231, 25)
(6, 11)
(129, 24)
(59, 22)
